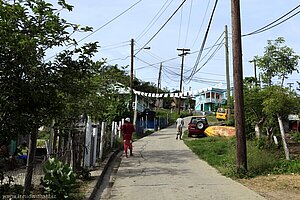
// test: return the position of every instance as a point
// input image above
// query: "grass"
(220, 153)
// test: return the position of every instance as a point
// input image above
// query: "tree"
(31, 88)
(275, 107)
(278, 61)
(253, 107)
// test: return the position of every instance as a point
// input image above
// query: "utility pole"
(227, 73)
(241, 157)
(131, 73)
(184, 53)
(158, 85)
(290, 85)
(254, 69)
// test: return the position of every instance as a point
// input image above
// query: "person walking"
(179, 125)
(127, 130)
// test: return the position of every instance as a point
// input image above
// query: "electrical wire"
(188, 26)
(268, 26)
(154, 19)
(162, 26)
(104, 25)
(200, 28)
(204, 41)
(216, 45)
(180, 24)
(175, 58)
(211, 56)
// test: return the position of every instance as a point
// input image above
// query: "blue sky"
(185, 30)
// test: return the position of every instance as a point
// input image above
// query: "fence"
(83, 147)
(80, 148)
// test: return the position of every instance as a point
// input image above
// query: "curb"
(103, 170)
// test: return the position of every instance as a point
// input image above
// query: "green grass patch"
(220, 153)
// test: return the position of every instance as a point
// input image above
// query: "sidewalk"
(165, 168)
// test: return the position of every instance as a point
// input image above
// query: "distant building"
(209, 99)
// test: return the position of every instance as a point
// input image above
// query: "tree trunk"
(257, 127)
(286, 150)
(54, 150)
(269, 136)
(30, 161)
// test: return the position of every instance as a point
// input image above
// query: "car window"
(195, 120)
(221, 110)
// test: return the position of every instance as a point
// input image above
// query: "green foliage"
(230, 122)
(148, 132)
(59, 179)
(261, 143)
(287, 167)
(296, 136)
(277, 61)
(221, 153)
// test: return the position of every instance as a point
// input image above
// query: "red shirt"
(127, 130)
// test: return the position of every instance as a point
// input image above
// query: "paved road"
(165, 168)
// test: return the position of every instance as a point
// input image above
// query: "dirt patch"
(275, 187)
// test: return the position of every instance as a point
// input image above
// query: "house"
(209, 99)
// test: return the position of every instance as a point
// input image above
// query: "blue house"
(209, 99)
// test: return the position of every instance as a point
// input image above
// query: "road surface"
(165, 168)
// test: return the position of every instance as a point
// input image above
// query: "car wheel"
(189, 135)
(200, 125)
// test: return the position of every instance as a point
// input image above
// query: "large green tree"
(278, 61)
(30, 87)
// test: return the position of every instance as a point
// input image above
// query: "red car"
(197, 125)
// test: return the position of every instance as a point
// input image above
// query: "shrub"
(296, 136)
(59, 179)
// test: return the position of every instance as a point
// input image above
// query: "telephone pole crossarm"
(184, 53)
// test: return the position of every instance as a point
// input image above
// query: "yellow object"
(224, 131)
(222, 114)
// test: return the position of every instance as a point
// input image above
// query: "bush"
(59, 179)
(296, 136)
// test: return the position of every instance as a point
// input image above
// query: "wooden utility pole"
(184, 53)
(241, 156)
(158, 85)
(131, 73)
(227, 74)
(290, 85)
(254, 69)
(159, 78)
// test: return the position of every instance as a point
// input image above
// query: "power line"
(114, 46)
(204, 41)
(268, 26)
(211, 56)
(200, 28)
(154, 19)
(162, 26)
(107, 23)
(216, 44)
(188, 26)
(180, 24)
(175, 58)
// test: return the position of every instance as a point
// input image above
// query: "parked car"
(197, 125)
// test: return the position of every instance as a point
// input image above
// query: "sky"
(144, 19)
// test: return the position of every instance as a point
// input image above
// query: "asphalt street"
(165, 168)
